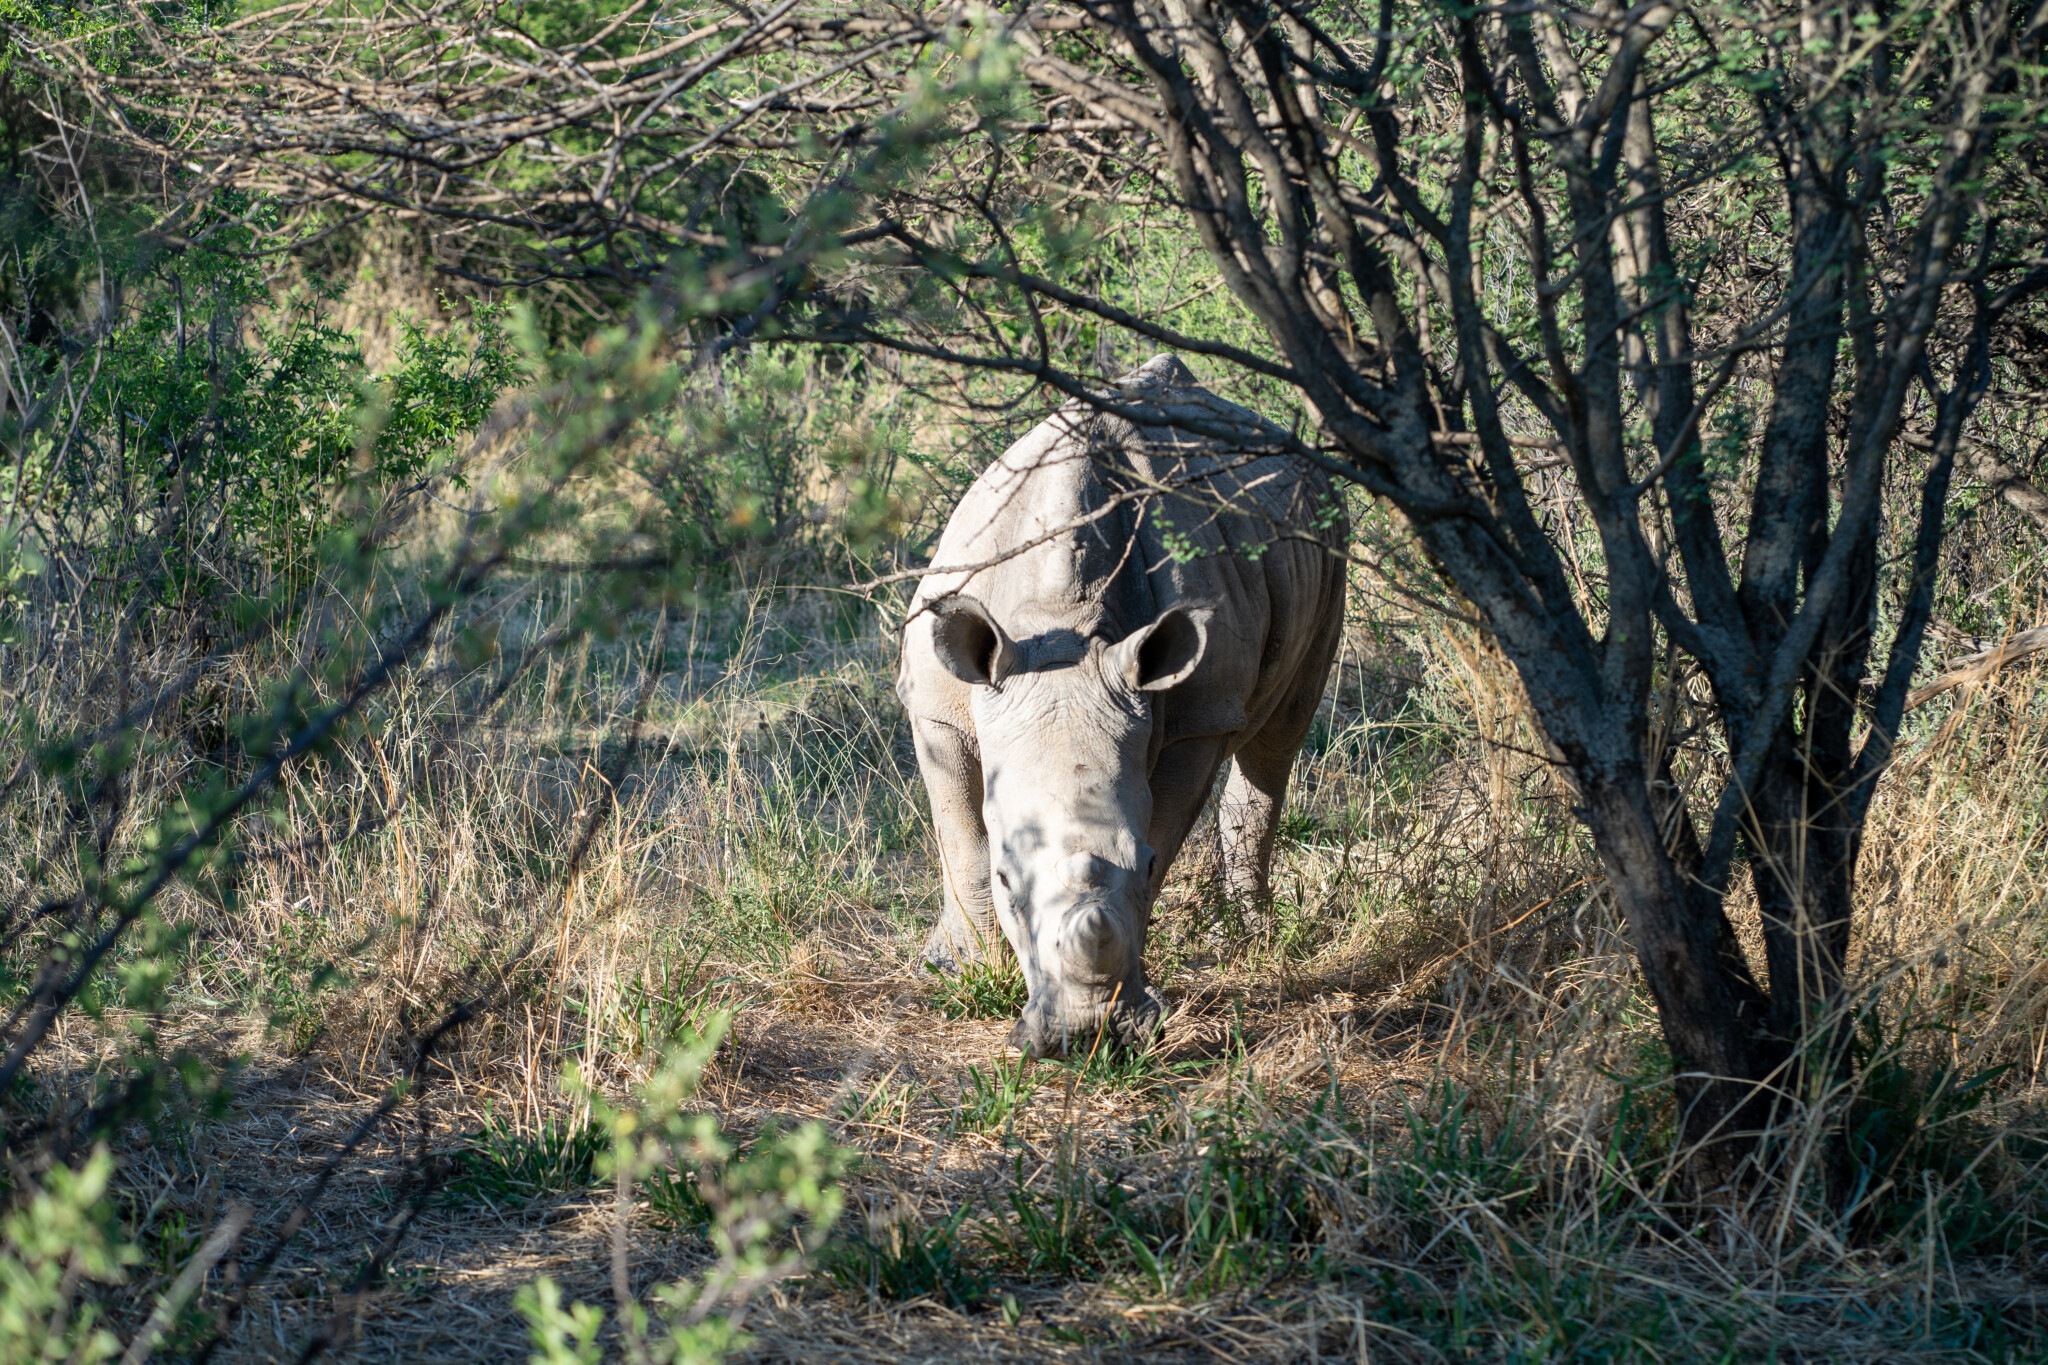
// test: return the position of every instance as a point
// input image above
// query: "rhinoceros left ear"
(1165, 653)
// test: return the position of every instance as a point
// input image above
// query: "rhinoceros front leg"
(966, 931)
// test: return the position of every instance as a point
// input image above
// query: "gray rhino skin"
(1073, 699)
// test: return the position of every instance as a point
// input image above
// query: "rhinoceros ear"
(1165, 653)
(969, 643)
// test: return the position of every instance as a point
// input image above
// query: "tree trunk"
(1716, 1020)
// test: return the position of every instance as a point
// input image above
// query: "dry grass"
(1431, 1060)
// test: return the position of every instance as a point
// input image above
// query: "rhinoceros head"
(1064, 723)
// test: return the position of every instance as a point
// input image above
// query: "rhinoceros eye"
(1003, 878)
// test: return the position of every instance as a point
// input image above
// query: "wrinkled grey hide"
(1073, 701)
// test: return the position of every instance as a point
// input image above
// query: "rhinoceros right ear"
(969, 643)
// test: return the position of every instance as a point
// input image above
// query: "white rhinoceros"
(1128, 607)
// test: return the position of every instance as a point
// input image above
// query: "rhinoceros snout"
(1127, 1023)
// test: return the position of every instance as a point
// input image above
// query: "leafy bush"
(219, 430)
(781, 452)
(763, 1205)
(66, 1232)
(560, 1336)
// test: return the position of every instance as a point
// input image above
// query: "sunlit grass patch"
(979, 990)
(660, 1003)
(994, 1098)
(1104, 1067)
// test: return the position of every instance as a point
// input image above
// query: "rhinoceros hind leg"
(1248, 815)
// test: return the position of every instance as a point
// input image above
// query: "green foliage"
(781, 449)
(905, 1257)
(210, 426)
(504, 1167)
(993, 1098)
(444, 386)
(214, 459)
(1109, 1067)
(1450, 1147)
(979, 990)
(1922, 1159)
(659, 1005)
(887, 1101)
(561, 1336)
(64, 1233)
(672, 1197)
(1540, 1310)
(1244, 1209)
(18, 563)
(1234, 1196)
(1054, 1229)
